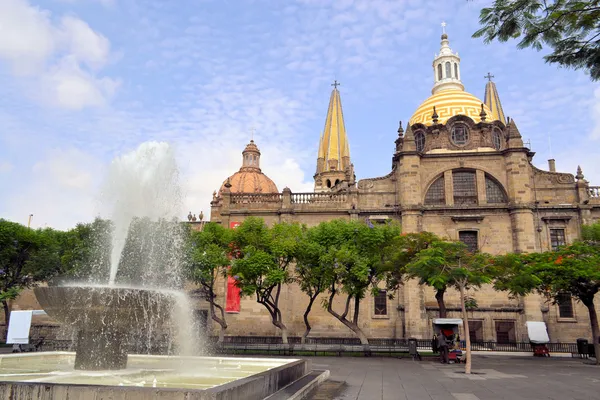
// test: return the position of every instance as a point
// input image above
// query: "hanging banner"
(232, 303)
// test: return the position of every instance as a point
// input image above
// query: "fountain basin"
(52, 375)
(105, 319)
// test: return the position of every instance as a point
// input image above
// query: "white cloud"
(59, 58)
(596, 114)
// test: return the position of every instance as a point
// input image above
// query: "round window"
(460, 134)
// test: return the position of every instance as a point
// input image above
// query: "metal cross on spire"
(443, 27)
(335, 84)
(252, 132)
(489, 76)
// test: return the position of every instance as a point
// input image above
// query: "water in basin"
(141, 371)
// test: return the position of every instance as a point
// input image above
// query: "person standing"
(443, 346)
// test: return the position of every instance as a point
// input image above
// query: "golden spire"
(492, 100)
(334, 144)
(321, 149)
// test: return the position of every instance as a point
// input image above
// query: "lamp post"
(29, 220)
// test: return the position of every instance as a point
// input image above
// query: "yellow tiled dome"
(449, 103)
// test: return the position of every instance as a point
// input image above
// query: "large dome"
(250, 181)
(449, 103)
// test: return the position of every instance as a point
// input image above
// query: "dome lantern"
(446, 67)
(250, 178)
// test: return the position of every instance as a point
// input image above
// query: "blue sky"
(84, 80)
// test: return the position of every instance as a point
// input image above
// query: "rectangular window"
(381, 303)
(505, 332)
(476, 330)
(470, 239)
(565, 305)
(465, 188)
(557, 238)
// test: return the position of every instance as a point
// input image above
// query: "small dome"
(449, 103)
(250, 181)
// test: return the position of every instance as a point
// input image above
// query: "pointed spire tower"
(492, 100)
(333, 158)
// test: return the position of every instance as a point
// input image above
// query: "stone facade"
(464, 176)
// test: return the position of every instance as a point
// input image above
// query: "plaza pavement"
(497, 377)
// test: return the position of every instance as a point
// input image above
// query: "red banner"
(232, 303)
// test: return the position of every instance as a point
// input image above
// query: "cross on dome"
(443, 27)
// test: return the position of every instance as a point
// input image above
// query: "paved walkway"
(496, 378)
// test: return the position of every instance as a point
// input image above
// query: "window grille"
(465, 188)
(493, 191)
(497, 139)
(565, 305)
(439, 68)
(436, 193)
(381, 303)
(420, 141)
(470, 239)
(557, 238)
(460, 134)
(448, 70)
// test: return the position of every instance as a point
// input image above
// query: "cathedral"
(460, 169)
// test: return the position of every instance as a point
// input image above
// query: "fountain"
(139, 298)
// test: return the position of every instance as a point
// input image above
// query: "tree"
(571, 28)
(208, 259)
(264, 255)
(27, 257)
(354, 256)
(451, 264)
(573, 269)
(312, 275)
(591, 232)
(401, 252)
(85, 252)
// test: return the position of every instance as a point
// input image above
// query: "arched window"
(328, 183)
(497, 139)
(439, 67)
(460, 134)
(420, 141)
(456, 71)
(465, 187)
(448, 70)
(337, 181)
(493, 191)
(436, 194)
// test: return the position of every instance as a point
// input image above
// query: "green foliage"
(573, 269)
(450, 264)
(86, 249)
(591, 232)
(27, 256)
(571, 28)
(208, 254)
(400, 252)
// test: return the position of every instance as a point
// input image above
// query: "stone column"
(523, 230)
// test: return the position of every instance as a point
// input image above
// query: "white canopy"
(537, 332)
(19, 325)
(448, 321)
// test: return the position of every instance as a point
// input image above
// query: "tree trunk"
(6, 317)
(284, 331)
(349, 324)
(306, 323)
(439, 296)
(219, 320)
(595, 328)
(466, 328)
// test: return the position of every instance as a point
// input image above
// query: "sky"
(84, 81)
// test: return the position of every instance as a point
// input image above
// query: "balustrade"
(312, 198)
(594, 192)
(255, 198)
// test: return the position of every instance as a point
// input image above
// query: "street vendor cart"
(449, 327)
(538, 338)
